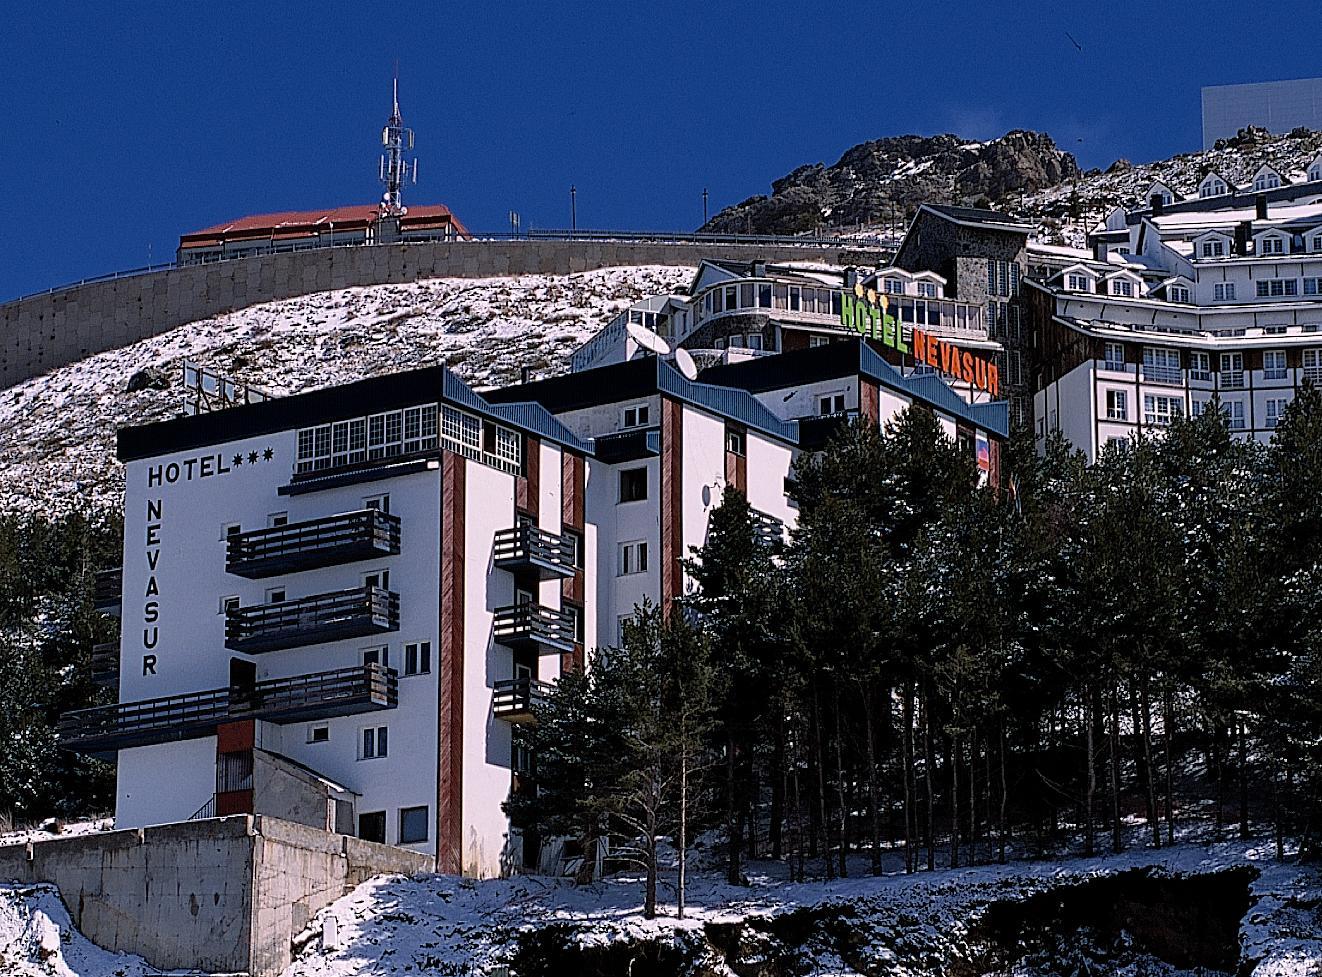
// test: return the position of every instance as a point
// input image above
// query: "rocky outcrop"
(883, 181)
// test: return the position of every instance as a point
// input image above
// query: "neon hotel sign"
(866, 313)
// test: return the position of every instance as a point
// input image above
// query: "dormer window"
(1213, 186)
(1266, 180)
(1213, 248)
(1272, 245)
(1178, 293)
(1315, 173)
(1078, 283)
(1122, 286)
(1317, 242)
(927, 289)
(894, 286)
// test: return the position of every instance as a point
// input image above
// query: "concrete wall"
(46, 331)
(223, 894)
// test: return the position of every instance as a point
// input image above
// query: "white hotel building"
(1218, 295)
(336, 604)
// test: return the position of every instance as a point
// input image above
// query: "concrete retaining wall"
(223, 894)
(46, 331)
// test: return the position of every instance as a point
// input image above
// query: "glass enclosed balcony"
(357, 613)
(108, 591)
(329, 541)
(300, 698)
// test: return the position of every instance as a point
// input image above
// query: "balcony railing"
(108, 591)
(1162, 374)
(769, 530)
(342, 692)
(333, 540)
(526, 547)
(643, 442)
(532, 626)
(105, 664)
(356, 613)
(515, 699)
(1232, 379)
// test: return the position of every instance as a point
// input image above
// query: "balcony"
(331, 541)
(527, 548)
(357, 613)
(515, 699)
(342, 692)
(643, 442)
(768, 530)
(542, 630)
(108, 591)
(1232, 379)
(105, 664)
(1155, 373)
(816, 432)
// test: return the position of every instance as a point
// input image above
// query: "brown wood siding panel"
(869, 401)
(672, 528)
(528, 486)
(234, 802)
(573, 489)
(736, 470)
(450, 705)
(236, 737)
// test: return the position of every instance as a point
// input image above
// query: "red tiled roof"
(295, 222)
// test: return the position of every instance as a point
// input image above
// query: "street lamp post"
(704, 206)
(573, 208)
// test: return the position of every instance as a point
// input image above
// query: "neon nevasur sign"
(866, 312)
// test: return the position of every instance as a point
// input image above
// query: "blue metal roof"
(536, 419)
(737, 405)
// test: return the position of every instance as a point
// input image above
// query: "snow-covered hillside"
(57, 430)
(933, 923)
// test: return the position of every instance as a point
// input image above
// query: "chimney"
(1260, 203)
(525, 374)
(1243, 232)
(851, 277)
(759, 269)
(1155, 203)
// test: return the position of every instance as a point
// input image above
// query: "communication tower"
(395, 169)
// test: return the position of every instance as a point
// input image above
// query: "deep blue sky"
(125, 124)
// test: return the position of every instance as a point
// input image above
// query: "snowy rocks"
(148, 378)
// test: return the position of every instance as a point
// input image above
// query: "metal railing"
(1232, 379)
(518, 697)
(105, 664)
(314, 543)
(1162, 374)
(523, 624)
(528, 545)
(207, 810)
(352, 613)
(338, 692)
(769, 530)
(645, 237)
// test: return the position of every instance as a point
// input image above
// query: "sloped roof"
(307, 221)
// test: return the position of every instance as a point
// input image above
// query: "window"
(376, 742)
(636, 416)
(1276, 287)
(1214, 248)
(1200, 366)
(1317, 242)
(229, 530)
(1078, 283)
(275, 595)
(319, 733)
(622, 624)
(1117, 405)
(1266, 181)
(734, 442)
(372, 826)
(381, 503)
(1311, 286)
(1178, 293)
(1232, 369)
(1223, 292)
(927, 289)
(894, 286)
(815, 341)
(1161, 365)
(377, 656)
(1313, 365)
(633, 557)
(1114, 356)
(1273, 365)
(1160, 411)
(1275, 410)
(377, 578)
(417, 658)
(228, 604)
(1212, 186)
(1272, 245)
(413, 823)
(1122, 286)
(1314, 173)
(633, 485)
(576, 623)
(831, 404)
(277, 519)
(1234, 411)
(376, 436)
(1198, 408)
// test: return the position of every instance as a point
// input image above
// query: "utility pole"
(573, 207)
(704, 206)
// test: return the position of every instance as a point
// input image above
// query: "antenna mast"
(395, 169)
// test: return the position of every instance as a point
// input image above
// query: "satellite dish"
(685, 363)
(648, 340)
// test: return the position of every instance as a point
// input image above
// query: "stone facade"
(46, 331)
